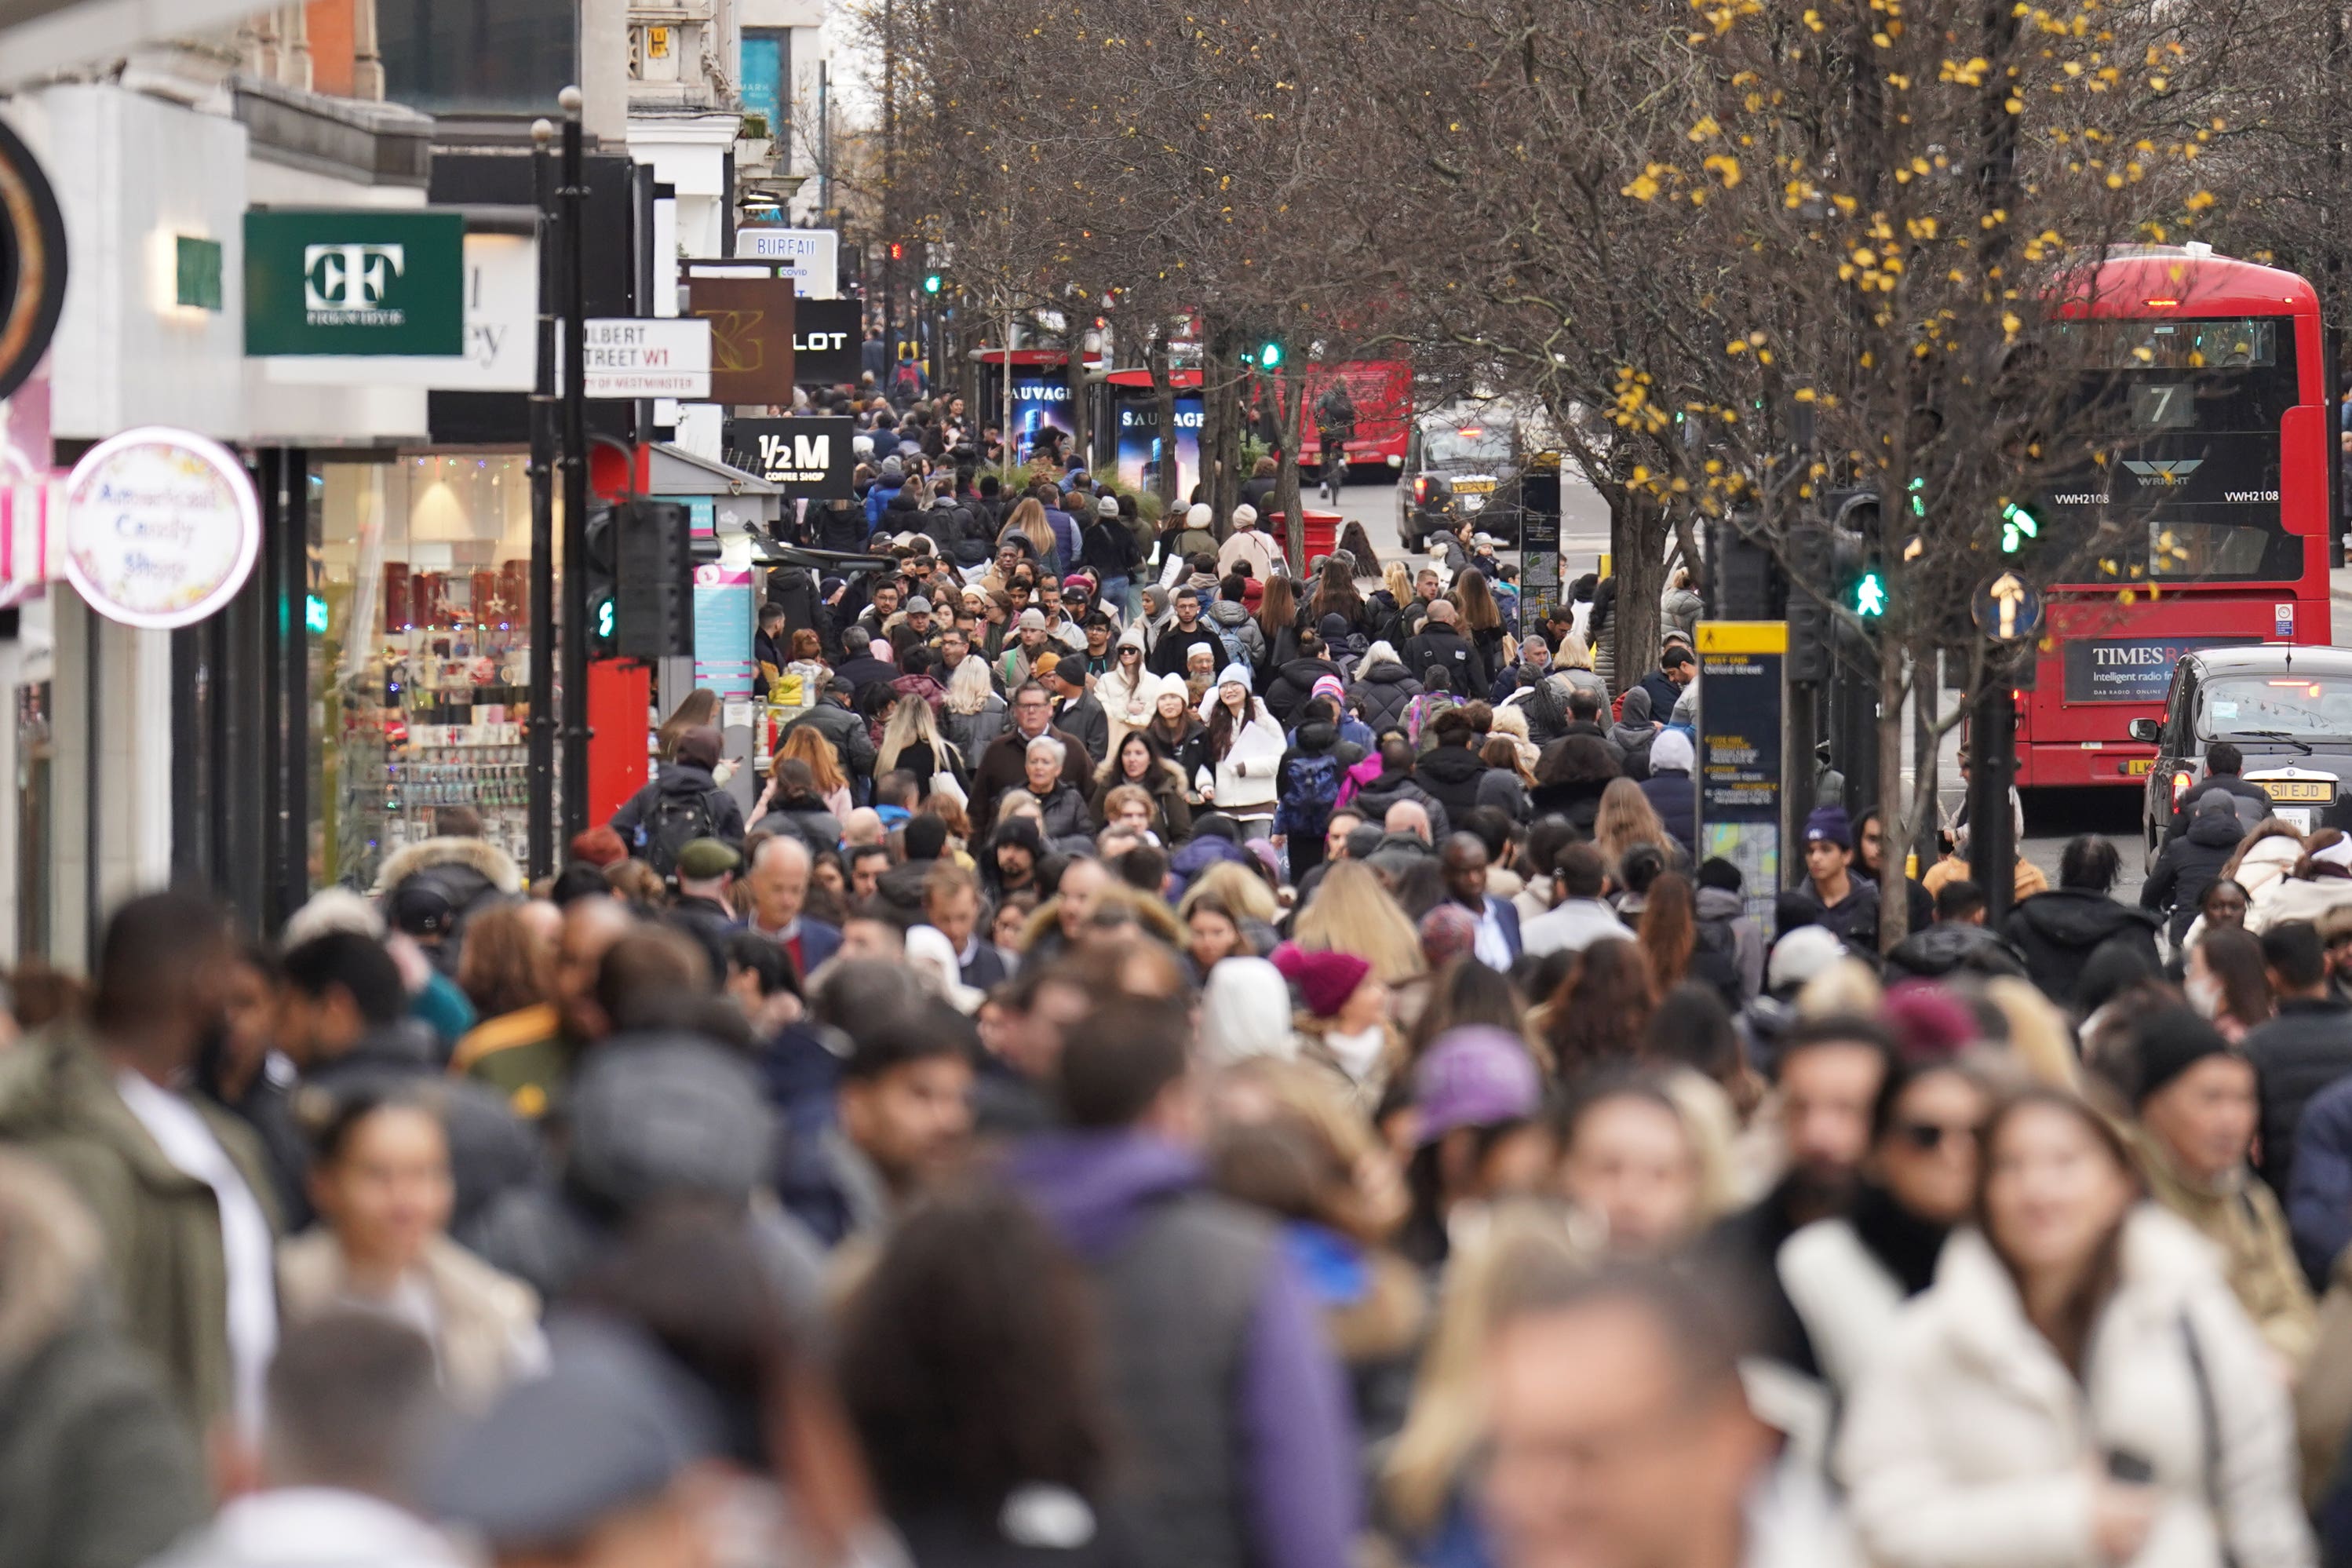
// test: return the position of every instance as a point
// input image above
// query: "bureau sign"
(162, 528)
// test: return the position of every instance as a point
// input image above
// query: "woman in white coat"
(1246, 745)
(1128, 689)
(2079, 1389)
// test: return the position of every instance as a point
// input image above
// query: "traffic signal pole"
(1993, 770)
(573, 269)
(543, 520)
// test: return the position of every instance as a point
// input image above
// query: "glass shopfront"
(419, 616)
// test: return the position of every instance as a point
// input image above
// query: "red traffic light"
(898, 251)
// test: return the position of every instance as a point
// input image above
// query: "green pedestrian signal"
(2017, 526)
(933, 282)
(604, 620)
(1269, 355)
(1870, 594)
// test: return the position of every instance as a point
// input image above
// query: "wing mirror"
(2145, 731)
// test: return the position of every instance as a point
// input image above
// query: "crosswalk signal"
(1870, 594)
(933, 282)
(601, 617)
(1269, 354)
(2017, 526)
(898, 251)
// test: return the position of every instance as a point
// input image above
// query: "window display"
(422, 661)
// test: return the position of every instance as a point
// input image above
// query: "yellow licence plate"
(1474, 488)
(2299, 789)
(2139, 767)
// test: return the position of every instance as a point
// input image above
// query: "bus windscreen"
(2188, 413)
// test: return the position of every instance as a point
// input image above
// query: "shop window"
(422, 672)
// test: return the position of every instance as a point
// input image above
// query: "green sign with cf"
(345, 281)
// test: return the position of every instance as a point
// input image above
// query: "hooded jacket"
(1722, 907)
(1245, 774)
(1382, 790)
(1245, 1450)
(1127, 704)
(472, 869)
(1164, 784)
(1294, 686)
(1632, 733)
(1441, 646)
(1383, 690)
(852, 745)
(1972, 1446)
(96, 1469)
(2187, 866)
(1232, 621)
(2058, 931)
(2297, 898)
(687, 784)
(1938, 950)
(1671, 791)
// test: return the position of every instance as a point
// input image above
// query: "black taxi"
(2287, 710)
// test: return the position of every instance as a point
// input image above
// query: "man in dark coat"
(1186, 632)
(1005, 763)
(1440, 644)
(1450, 770)
(859, 667)
(1294, 683)
(1395, 783)
(832, 717)
(1383, 690)
(1075, 712)
(2305, 1047)
(2222, 763)
(2187, 864)
(2060, 929)
(1670, 791)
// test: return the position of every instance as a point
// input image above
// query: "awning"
(675, 472)
(31, 536)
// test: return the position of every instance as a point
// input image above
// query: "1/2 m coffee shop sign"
(345, 281)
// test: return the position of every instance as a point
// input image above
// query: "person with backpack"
(1238, 634)
(1308, 783)
(2223, 763)
(907, 382)
(682, 803)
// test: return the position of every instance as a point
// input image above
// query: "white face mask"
(2204, 993)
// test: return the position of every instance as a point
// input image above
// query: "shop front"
(419, 614)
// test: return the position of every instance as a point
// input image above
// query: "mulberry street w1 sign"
(630, 358)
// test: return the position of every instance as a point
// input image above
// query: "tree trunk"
(1289, 393)
(1163, 398)
(1638, 551)
(1075, 373)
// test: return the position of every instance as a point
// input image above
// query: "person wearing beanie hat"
(1245, 746)
(1032, 645)
(1477, 1096)
(1343, 1019)
(1845, 905)
(891, 478)
(1249, 545)
(2196, 1099)
(1107, 550)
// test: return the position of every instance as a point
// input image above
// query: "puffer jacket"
(1232, 623)
(2058, 931)
(2301, 1050)
(1383, 690)
(1294, 684)
(2187, 866)
(1950, 945)
(1452, 774)
(2292, 898)
(1127, 704)
(1245, 781)
(1969, 1445)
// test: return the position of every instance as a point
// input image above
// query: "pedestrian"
(1670, 789)
(2192, 862)
(1845, 905)
(2060, 930)
(2077, 1343)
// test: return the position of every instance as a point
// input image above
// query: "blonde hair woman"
(1626, 818)
(1028, 520)
(1352, 912)
(1237, 887)
(806, 744)
(912, 742)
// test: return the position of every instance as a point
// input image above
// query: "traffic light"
(1808, 561)
(2017, 526)
(653, 600)
(1269, 354)
(934, 282)
(1860, 584)
(598, 569)
(898, 251)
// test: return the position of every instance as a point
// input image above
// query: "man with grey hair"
(1005, 765)
(778, 880)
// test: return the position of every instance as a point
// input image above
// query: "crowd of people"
(1131, 1092)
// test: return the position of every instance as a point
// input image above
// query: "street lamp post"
(542, 519)
(573, 198)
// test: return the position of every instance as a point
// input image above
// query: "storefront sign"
(630, 357)
(807, 457)
(825, 342)
(751, 336)
(162, 528)
(501, 351)
(814, 255)
(1740, 668)
(366, 281)
(1138, 450)
(32, 262)
(2127, 670)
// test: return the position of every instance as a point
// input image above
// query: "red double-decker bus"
(2217, 481)
(1381, 390)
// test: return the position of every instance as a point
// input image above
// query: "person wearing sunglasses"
(1848, 1276)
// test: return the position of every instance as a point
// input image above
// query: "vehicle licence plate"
(2296, 817)
(2322, 790)
(1474, 487)
(2139, 767)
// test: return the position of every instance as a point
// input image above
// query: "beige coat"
(1968, 1444)
(488, 1322)
(2242, 1218)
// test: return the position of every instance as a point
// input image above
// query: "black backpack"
(671, 824)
